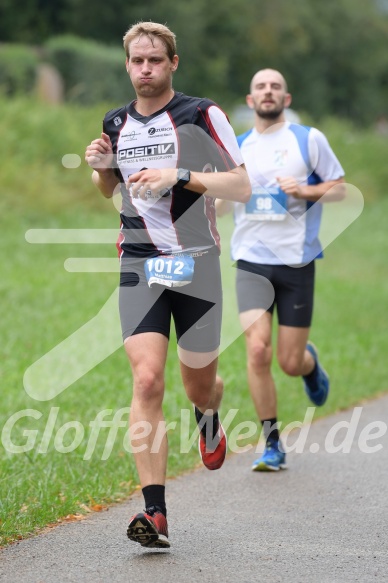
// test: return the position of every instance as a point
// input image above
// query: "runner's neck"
(148, 105)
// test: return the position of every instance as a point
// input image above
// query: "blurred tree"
(33, 21)
(334, 54)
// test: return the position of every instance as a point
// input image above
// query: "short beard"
(274, 114)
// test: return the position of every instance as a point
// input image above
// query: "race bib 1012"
(169, 270)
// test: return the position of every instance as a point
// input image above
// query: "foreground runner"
(166, 147)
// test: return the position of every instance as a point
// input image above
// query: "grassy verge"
(61, 471)
(45, 304)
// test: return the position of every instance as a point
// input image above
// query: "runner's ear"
(287, 100)
(174, 63)
(249, 101)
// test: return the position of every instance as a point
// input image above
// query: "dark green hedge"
(91, 72)
(18, 66)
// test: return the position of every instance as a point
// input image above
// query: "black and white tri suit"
(194, 134)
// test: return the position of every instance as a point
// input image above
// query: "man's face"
(268, 95)
(149, 67)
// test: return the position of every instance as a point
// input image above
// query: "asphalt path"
(323, 520)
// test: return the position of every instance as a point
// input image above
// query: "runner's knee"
(148, 386)
(259, 355)
(199, 394)
(291, 365)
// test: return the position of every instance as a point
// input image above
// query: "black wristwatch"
(183, 177)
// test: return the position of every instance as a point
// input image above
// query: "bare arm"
(232, 185)
(334, 190)
(223, 207)
(99, 156)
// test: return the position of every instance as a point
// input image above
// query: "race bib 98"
(169, 270)
(266, 205)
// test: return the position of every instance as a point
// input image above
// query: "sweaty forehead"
(146, 44)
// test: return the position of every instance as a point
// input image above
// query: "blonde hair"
(152, 30)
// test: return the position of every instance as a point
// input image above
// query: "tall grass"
(36, 137)
(44, 304)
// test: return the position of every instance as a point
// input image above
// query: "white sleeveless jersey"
(273, 228)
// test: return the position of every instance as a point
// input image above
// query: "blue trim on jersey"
(315, 211)
(302, 136)
(241, 138)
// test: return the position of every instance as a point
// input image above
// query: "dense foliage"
(333, 53)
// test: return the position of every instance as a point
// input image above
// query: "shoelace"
(152, 510)
(274, 446)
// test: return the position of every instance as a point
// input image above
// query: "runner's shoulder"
(195, 103)
(117, 115)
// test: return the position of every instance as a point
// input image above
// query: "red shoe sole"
(143, 531)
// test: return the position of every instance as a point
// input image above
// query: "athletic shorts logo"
(200, 326)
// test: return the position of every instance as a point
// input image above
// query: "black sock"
(270, 428)
(311, 376)
(154, 496)
(204, 420)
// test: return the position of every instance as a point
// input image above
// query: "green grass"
(44, 304)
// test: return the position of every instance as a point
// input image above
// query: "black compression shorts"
(293, 287)
(196, 308)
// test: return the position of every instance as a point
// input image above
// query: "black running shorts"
(196, 308)
(293, 287)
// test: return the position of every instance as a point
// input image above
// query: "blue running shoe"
(317, 387)
(272, 460)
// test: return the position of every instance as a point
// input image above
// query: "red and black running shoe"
(213, 456)
(149, 528)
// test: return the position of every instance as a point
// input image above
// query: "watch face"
(184, 175)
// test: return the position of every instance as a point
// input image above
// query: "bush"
(18, 65)
(362, 153)
(92, 73)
